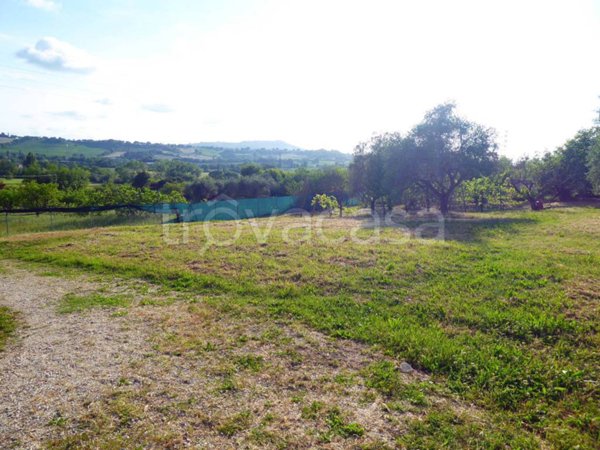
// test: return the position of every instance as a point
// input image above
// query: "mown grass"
(504, 312)
(33, 223)
(72, 303)
(8, 325)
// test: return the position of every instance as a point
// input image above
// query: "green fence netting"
(226, 209)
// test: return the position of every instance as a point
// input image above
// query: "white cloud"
(48, 5)
(53, 54)
(158, 108)
(73, 115)
(104, 101)
(362, 68)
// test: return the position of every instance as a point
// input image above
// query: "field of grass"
(502, 313)
(61, 150)
(33, 223)
(11, 181)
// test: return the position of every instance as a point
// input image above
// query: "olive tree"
(445, 150)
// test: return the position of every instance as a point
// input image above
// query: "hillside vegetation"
(503, 312)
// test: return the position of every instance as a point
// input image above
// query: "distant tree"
(250, 169)
(367, 173)
(102, 175)
(141, 180)
(566, 169)
(487, 191)
(593, 165)
(29, 160)
(177, 171)
(35, 195)
(255, 186)
(527, 179)
(7, 167)
(9, 199)
(74, 198)
(72, 179)
(123, 194)
(331, 181)
(127, 171)
(201, 190)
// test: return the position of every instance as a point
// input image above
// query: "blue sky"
(316, 73)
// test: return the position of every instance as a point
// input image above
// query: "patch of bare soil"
(56, 360)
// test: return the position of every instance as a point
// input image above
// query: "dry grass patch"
(235, 379)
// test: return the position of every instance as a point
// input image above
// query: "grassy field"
(11, 181)
(502, 313)
(61, 150)
(32, 223)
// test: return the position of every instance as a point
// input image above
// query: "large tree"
(593, 165)
(445, 150)
(368, 171)
(566, 171)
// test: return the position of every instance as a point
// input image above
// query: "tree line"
(446, 160)
(46, 183)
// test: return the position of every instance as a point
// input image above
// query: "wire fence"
(56, 219)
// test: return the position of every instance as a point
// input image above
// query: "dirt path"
(56, 359)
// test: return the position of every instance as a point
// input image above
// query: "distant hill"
(252, 145)
(208, 155)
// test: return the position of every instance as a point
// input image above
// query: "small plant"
(58, 420)
(311, 411)
(227, 385)
(72, 303)
(338, 426)
(324, 202)
(250, 362)
(384, 378)
(235, 424)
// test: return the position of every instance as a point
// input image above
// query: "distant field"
(55, 149)
(503, 314)
(11, 181)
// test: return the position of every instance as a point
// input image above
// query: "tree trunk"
(444, 204)
(535, 204)
(373, 206)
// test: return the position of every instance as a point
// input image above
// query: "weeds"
(72, 303)
(8, 325)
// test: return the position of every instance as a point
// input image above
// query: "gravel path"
(56, 360)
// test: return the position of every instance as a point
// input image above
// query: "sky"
(315, 73)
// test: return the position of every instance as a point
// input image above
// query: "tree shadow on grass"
(480, 229)
(453, 228)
